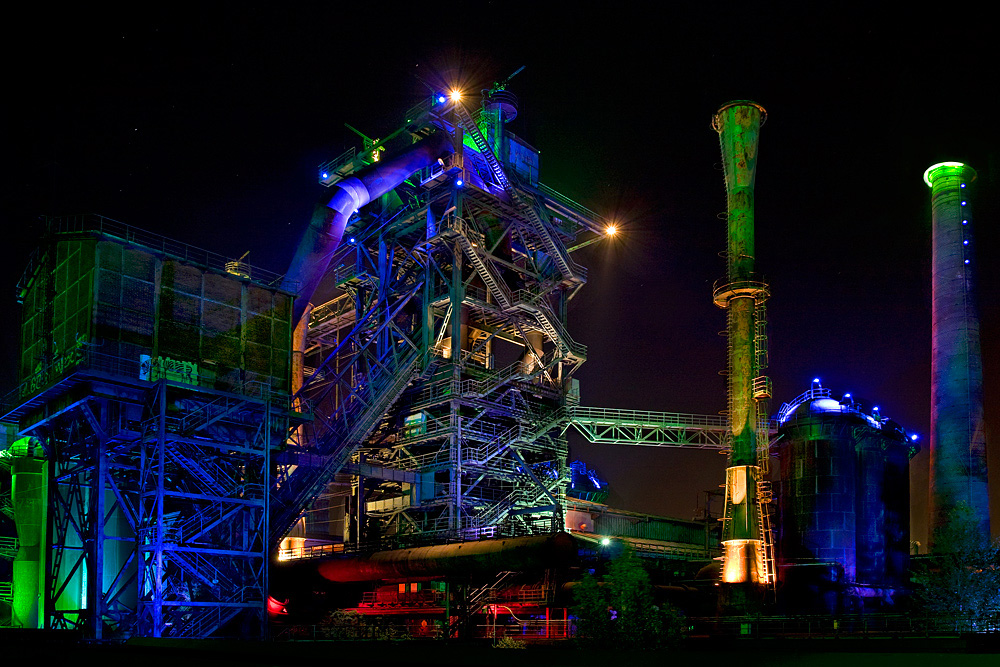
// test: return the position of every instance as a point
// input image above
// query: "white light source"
(456, 95)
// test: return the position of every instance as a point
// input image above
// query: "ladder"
(766, 565)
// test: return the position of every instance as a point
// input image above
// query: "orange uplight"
(611, 230)
(456, 95)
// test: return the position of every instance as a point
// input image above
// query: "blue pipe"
(331, 215)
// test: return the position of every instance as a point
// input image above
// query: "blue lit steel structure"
(155, 383)
(438, 374)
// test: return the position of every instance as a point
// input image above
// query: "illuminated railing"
(156, 242)
(314, 551)
(8, 547)
(646, 418)
(85, 359)
(811, 394)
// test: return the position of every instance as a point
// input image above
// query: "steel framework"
(438, 378)
(159, 474)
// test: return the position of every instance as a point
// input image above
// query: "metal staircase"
(206, 481)
(346, 433)
(567, 267)
(520, 300)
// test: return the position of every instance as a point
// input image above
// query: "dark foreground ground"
(47, 648)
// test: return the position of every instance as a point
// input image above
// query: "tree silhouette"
(619, 611)
(960, 581)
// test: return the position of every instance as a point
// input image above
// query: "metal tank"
(958, 439)
(843, 500)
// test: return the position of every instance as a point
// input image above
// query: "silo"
(818, 485)
(958, 440)
(843, 498)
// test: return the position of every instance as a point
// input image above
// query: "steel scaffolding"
(154, 387)
(437, 377)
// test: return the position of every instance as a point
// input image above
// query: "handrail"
(617, 416)
(810, 394)
(91, 222)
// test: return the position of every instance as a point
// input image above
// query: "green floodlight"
(940, 165)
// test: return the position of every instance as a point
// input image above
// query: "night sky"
(206, 125)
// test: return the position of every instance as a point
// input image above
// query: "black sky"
(206, 124)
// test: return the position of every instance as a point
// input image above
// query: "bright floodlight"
(456, 95)
(611, 230)
(605, 541)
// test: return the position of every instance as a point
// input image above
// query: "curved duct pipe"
(331, 215)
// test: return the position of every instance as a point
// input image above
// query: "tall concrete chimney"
(958, 440)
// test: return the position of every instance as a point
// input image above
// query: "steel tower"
(958, 439)
(437, 365)
(748, 555)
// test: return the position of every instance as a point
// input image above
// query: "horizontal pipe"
(462, 558)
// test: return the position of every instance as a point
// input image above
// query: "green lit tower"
(958, 439)
(748, 555)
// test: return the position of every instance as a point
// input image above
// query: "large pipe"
(738, 124)
(464, 558)
(332, 213)
(29, 496)
(958, 440)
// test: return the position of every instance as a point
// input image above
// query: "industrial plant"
(199, 448)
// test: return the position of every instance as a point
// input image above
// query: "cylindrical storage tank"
(818, 487)
(898, 452)
(958, 439)
(870, 539)
(844, 493)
